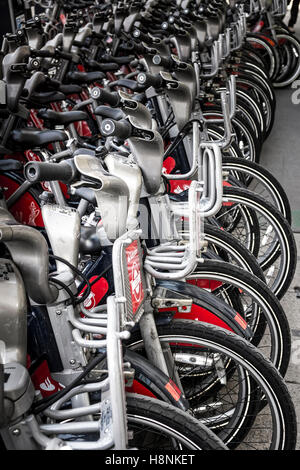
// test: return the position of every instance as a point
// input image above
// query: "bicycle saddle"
(41, 98)
(107, 67)
(118, 60)
(29, 138)
(107, 112)
(70, 89)
(66, 118)
(130, 84)
(84, 77)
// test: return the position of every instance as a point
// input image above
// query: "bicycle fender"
(210, 302)
(151, 381)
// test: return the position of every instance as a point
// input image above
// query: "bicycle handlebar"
(36, 172)
(164, 62)
(121, 129)
(148, 80)
(103, 96)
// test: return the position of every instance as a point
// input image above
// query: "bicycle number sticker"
(135, 277)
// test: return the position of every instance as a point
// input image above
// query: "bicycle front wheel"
(289, 48)
(230, 385)
(154, 424)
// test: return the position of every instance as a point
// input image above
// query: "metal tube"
(56, 190)
(116, 376)
(87, 343)
(88, 328)
(12, 16)
(73, 413)
(151, 341)
(18, 193)
(82, 207)
(66, 428)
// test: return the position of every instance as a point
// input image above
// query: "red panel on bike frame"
(26, 209)
(98, 291)
(135, 275)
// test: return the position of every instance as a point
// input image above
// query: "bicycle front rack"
(177, 258)
(278, 8)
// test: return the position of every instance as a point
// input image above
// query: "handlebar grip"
(166, 26)
(147, 80)
(137, 34)
(42, 53)
(103, 96)
(64, 55)
(121, 129)
(166, 63)
(36, 172)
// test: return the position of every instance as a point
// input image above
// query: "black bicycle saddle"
(28, 138)
(65, 118)
(80, 78)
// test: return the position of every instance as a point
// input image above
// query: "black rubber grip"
(36, 172)
(43, 53)
(137, 34)
(146, 80)
(64, 55)
(121, 129)
(162, 61)
(166, 26)
(106, 97)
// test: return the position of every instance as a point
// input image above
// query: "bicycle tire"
(294, 74)
(238, 354)
(234, 250)
(279, 348)
(276, 194)
(155, 415)
(267, 50)
(245, 137)
(282, 245)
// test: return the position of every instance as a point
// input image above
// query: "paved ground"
(291, 306)
(281, 155)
